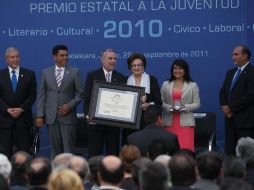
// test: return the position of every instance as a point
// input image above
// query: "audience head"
(186, 151)
(94, 163)
(180, 64)
(156, 148)
(153, 176)
(39, 171)
(20, 162)
(65, 179)
(245, 150)
(209, 165)
(234, 167)
(3, 183)
(163, 159)
(182, 168)
(128, 154)
(152, 115)
(61, 161)
(137, 166)
(234, 184)
(136, 60)
(111, 171)
(5, 166)
(79, 165)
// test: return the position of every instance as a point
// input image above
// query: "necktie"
(59, 77)
(235, 79)
(108, 77)
(14, 80)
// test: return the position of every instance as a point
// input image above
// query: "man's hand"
(229, 115)
(15, 112)
(64, 109)
(225, 109)
(89, 122)
(39, 122)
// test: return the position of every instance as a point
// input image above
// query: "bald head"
(111, 163)
(111, 171)
(39, 171)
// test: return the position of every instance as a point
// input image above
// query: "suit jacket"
(183, 188)
(109, 188)
(50, 97)
(23, 97)
(207, 184)
(142, 139)
(155, 94)
(190, 99)
(100, 76)
(241, 99)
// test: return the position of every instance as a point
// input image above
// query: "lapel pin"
(22, 75)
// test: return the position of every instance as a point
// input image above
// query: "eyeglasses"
(138, 65)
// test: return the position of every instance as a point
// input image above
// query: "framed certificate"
(116, 104)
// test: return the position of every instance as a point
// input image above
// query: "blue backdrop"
(203, 32)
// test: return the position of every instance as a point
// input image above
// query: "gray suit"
(190, 99)
(50, 98)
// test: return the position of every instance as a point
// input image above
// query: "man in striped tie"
(59, 94)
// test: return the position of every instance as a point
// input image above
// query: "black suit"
(241, 104)
(155, 93)
(98, 134)
(142, 139)
(24, 98)
(154, 96)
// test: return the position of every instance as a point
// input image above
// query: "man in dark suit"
(59, 94)
(237, 99)
(17, 95)
(153, 131)
(100, 134)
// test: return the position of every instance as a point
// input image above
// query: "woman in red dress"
(180, 96)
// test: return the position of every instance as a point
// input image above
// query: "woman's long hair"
(183, 64)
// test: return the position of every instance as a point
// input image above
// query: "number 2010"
(125, 28)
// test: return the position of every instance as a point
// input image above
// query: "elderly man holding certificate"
(98, 134)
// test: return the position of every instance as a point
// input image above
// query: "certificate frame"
(115, 104)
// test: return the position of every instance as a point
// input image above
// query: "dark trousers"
(233, 134)
(100, 137)
(18, 137)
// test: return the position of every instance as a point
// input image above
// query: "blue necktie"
(14, 80)
(235, 79)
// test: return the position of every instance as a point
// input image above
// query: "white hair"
(5, 166)
(10, 49)
(245, 148)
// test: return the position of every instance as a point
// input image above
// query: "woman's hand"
(143, 99)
